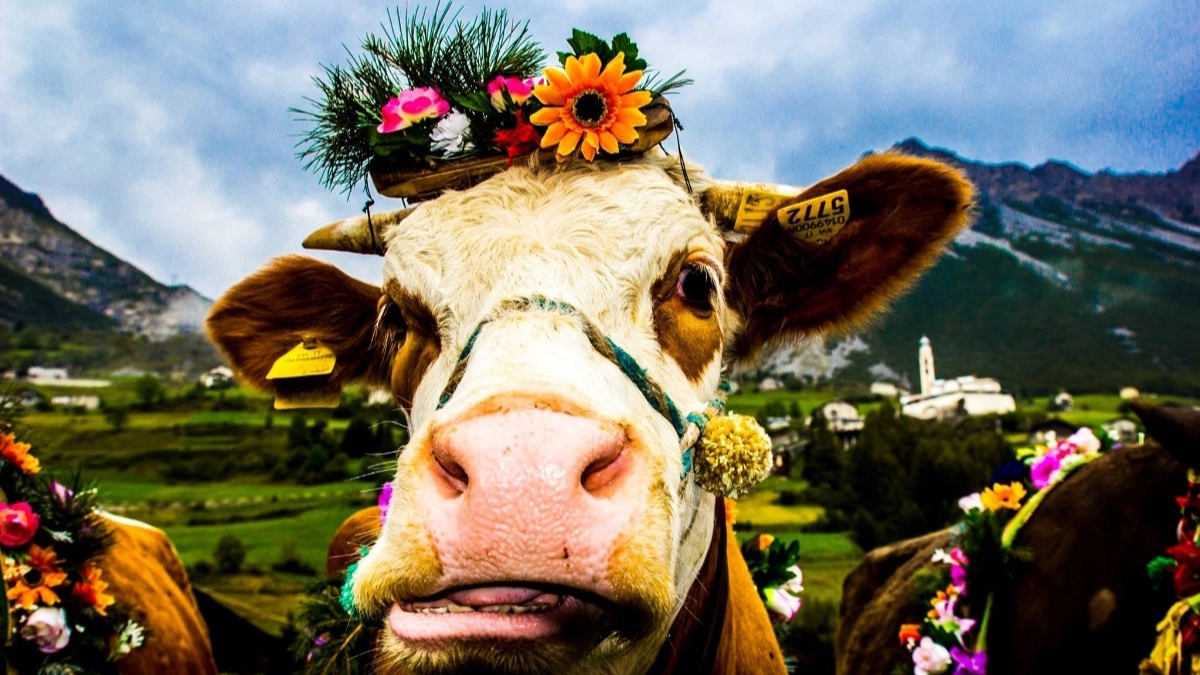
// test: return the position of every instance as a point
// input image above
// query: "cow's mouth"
(501, 612)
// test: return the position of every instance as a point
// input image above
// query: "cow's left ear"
(785, 282)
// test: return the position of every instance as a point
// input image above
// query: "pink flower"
(1044, 471)
(18, 522)
(1085, 441)
(385, 500)
(930, 658)
(411, 106)
(47, 626)
(518, 90)
(782, 604)
(971, 502)
(61, 491)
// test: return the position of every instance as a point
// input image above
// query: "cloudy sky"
(161, 131)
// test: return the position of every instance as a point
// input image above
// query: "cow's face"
(540, 522)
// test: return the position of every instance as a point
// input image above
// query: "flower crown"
(437, 103)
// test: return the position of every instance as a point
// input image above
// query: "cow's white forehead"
(595, 236)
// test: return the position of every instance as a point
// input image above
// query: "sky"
(161, 130)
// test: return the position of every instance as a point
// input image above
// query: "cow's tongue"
(491, 597)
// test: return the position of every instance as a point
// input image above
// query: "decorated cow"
(87, 591)
(1083, 596)
(554, 320)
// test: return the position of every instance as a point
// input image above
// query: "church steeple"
(925, 358)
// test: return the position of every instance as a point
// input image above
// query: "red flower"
(1187, 571)
(521, 140)
(910, 634)
(18, 522)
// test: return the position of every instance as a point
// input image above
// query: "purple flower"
(967, 663)
(61, 491)
(385, 500)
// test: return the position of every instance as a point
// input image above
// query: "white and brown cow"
(540, 523)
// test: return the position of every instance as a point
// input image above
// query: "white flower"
(930, 658)
(971, 502)
(782, 603)
(795, 585)
(47, 626)
(1085, 441)
(450, 135)
(130, 638)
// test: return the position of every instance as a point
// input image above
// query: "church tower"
(925, 358)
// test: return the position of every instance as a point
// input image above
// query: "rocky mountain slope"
(50, 276)
(1066, 279)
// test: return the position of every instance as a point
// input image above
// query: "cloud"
(162, 132)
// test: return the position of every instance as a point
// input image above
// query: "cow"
(1084, 601)
(145, 573)
(544, 520)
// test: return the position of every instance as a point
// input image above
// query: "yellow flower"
(18, 454)
(584, 104)
(763, 542)
(30, 584)
(1003, 496)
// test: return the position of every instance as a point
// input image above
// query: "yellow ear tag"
(755, 207)
(304, 360)
(815, 221)
(308, 399)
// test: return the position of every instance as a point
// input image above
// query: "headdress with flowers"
(953, 636)
(438, 103)
(55, 612)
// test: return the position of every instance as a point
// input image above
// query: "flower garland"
(775, 568)
(57, 616)
(435, 90)
(1177, 649)
(951, 634)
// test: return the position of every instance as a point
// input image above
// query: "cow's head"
(540, 523)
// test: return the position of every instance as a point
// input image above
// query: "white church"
(940, 399)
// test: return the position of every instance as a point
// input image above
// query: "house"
(40, 374)
(77, 402)
(1123, 431)
(770, 384)
(886, 390)
(1062, 401)
(1050, 431)
(217, 378)
(942, 399)
(1129, 393)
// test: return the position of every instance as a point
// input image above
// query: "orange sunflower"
(18, 454)
(30, 583)
(590, 109)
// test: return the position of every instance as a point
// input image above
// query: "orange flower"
(763, 542)
(1003, 496)
(30, 583)
(18, 453)
(730, 511)
(91, 590)
(584, 104)
(910, 632)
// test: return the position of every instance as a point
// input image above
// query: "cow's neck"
(695, 635)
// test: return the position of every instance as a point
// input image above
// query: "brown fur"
(689, 335)
(420, 346)
(268, 313)
(144, 571)
(1091, 538)
(747, 641)
(903, 212)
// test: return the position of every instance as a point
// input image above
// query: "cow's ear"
(296, 299)
(902, 211)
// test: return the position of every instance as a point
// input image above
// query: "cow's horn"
(723, 200)
(357, 235)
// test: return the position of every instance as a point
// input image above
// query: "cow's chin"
(508, 630)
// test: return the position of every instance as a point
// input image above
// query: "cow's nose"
(536, 452)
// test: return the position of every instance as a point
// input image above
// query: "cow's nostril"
(451, 471)
(602, 472)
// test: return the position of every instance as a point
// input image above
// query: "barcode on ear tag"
(815, 221)
(304, 360)
(756, 205)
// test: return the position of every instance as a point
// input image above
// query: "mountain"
(1065, 280)
(52, 277)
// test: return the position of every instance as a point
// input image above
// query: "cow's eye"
(695, 286)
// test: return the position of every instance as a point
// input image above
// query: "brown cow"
(547, 331)
(1084, 602)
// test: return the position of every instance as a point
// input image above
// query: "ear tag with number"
(755, 207)
(304, 360)
(815, 221)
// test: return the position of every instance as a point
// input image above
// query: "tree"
(149, 390)
(358, 439)
(824, 459)
(229, 554)
(117, 417)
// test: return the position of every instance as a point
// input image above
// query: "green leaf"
(479, 101)
(622, 43)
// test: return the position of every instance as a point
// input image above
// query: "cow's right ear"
(296, 299)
